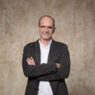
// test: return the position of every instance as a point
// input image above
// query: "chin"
(47, 38)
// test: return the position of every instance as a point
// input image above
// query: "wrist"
(58, 65)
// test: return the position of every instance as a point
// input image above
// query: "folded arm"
(47, 72)
(63, 71)
(36, 70)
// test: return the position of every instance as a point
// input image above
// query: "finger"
(31, 58)
(31, 61)
(28, 62)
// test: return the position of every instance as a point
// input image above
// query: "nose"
(46, 29)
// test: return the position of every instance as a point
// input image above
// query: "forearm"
(38, 70)
(62, 72)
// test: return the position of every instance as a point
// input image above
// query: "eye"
(42, 26)
(49, 27)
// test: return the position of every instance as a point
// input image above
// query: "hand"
(58, 65)
(30, 61)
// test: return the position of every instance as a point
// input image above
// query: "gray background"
(75, 26)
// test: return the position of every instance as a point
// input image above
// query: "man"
(46, 62)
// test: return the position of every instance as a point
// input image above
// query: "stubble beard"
(46, 39)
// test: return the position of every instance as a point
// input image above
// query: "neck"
(45, 42)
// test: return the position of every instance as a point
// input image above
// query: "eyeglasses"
(44, 27)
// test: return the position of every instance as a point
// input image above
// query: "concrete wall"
(75, 23)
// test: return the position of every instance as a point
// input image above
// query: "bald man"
(46, 62)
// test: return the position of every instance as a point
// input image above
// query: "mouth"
(45, 33)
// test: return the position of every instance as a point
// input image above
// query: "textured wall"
(75, 23)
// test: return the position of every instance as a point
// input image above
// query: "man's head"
(46, 27)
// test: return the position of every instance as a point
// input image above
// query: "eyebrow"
(45, 26)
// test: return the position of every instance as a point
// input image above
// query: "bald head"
(47, 16)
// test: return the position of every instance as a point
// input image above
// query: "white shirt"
(44, 86)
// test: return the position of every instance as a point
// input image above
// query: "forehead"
(46, 20)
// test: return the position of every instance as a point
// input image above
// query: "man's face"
(46, 28)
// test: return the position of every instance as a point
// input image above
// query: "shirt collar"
(48, 45)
